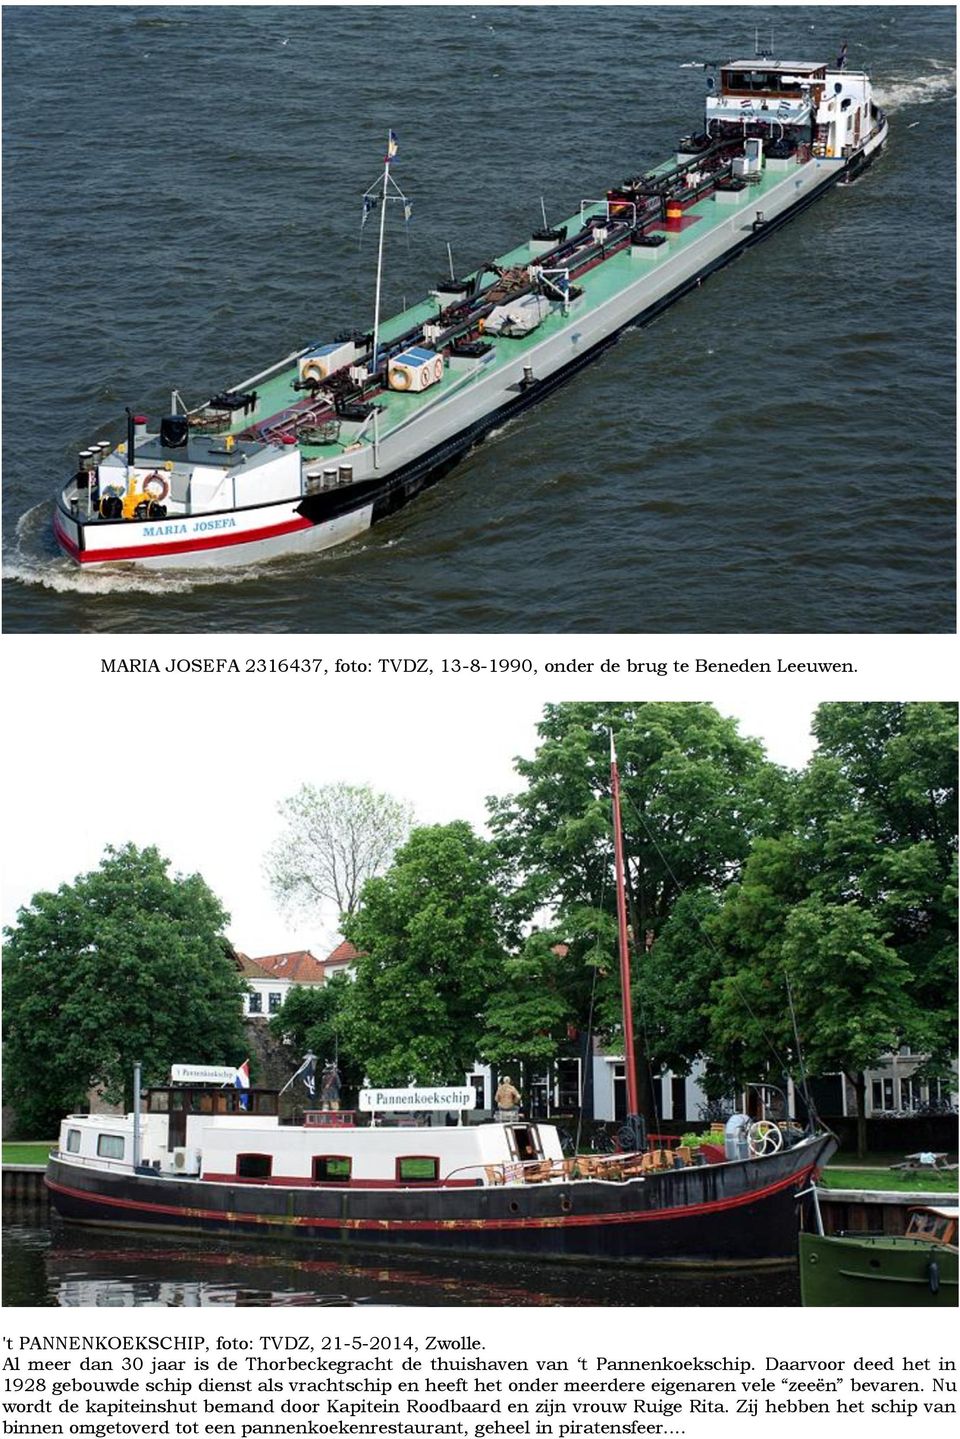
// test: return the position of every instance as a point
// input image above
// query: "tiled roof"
(298, 965)
(343, 954)
(249, 968)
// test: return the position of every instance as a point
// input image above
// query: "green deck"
(598, 285)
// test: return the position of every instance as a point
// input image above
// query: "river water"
(182, 199)
(47, 1263)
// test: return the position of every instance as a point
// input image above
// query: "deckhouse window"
(110, 1146)
(418, 1169)
(254, 1166)
(331, 1169)
(73, 1141)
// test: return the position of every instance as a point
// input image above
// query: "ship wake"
(903, 92)
(33, 559)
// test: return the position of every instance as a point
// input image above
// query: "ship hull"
(413, 462)
(876, 1272)
(738, 1213)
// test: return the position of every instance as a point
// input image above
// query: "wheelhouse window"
(73, 1141)
(331, 1169)
(110, 1146)
(418, 1169)
(254, 1166)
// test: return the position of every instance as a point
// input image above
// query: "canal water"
(182, 202)
(46, 1263)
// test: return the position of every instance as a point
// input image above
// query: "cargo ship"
(314, 449)
(206, 1160)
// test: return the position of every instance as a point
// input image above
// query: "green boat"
(918, 1268)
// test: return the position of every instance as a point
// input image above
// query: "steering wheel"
(764, 1137)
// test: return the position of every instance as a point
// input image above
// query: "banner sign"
(202, 1074)
(409, 1099)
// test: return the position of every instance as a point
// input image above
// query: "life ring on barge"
(399, 379)
(156, 487)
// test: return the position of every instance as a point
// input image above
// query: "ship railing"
(610, 1167)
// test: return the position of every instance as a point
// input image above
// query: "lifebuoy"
(399, 379)
(438, 369)
(313, 370)
(156, 486)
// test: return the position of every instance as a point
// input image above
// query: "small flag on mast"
(369, 203)
(307, 1072)
(241, 1081)
(392, 144)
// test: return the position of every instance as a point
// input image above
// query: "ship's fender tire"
(933, 1276)
(156, 511)
(399, 380)
(156, 486)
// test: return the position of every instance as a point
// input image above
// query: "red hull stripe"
(560, 1221)
(182, 547)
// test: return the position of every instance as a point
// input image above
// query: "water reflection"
(62, 1266)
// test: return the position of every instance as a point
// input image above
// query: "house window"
(882, 1093)
(275, 999)
(911, 1096)
(568, 1085)
(418, 1169)
(73, 1141)
(331, 1169)
(110, 1146)
(254, 1166)
(255, 1003)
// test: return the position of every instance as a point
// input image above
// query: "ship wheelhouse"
(774, 101)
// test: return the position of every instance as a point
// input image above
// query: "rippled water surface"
(47, 1263)
(182, 197)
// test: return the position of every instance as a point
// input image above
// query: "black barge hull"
(742, 1212)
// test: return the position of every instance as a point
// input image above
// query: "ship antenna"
(450, 260)
(543, 212)
(391, 151)
(379, 193)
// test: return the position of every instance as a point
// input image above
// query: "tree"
(527, 1016)
(849, 916)
(126, 963)
(338, 836)
(694, 795)
(430, 953)
(311, 1020)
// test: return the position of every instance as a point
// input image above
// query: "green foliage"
(127, 963)
(526, 1018)
(430, 955)
(311, 1020)
(695, 794)
(854, 905)
(337, 837)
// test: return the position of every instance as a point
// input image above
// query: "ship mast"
(380, 193)
(629, 1065)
